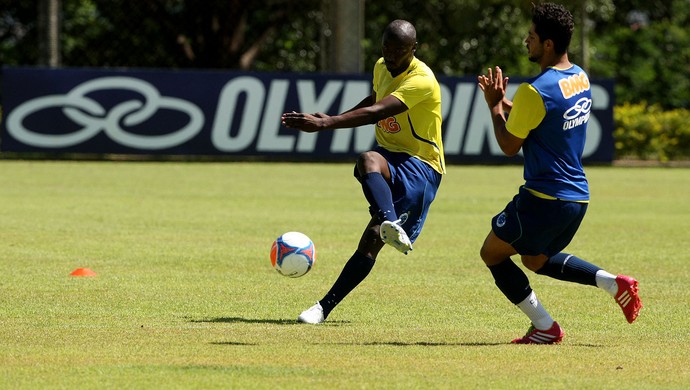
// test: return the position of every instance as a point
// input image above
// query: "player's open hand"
(494, 86)
(305, 122)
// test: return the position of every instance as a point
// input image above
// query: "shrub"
(647, 132)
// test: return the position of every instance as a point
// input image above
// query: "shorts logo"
(501, 220)
(403, 217)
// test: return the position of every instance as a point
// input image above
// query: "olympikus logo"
(624, 298)
(574, 85)
(238, 114)
(577, 114)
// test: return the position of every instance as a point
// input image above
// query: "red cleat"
(553, 335)
(628, 298)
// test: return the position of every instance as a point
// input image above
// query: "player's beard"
(533, 57)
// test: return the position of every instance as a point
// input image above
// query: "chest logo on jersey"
(574, 85)
(389, 125)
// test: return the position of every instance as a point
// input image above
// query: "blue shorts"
(414, 184)
(535, 226)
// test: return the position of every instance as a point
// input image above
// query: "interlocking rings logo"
(93, 118)
(581, 107)
(577, 114)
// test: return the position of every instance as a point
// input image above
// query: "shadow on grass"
(420, 344)
(413, 344)
(379, 343)
(241, 320)
(445, 344)
(236, 343)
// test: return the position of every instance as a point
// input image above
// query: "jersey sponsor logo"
(389, 125)
(577, 114)
(574, 85)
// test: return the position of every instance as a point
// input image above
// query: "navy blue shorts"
(414, 184)
(535, 226)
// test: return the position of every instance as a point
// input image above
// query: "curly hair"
(554, 22)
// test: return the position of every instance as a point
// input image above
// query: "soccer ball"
(293, 254)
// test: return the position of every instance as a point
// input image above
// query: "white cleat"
(395, 236)
(313, 315)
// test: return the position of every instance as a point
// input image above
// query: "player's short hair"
(554, 22)
(401, 30)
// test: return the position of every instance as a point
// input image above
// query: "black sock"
(355, 270)
(378, 193)
(511, 280)
(570, 269)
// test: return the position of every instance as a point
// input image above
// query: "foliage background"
(644, 45)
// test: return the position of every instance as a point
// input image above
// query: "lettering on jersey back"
(574, 85)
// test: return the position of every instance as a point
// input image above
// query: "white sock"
(536, 312)
(607, 282)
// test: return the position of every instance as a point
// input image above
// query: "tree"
(173, 33)
(18, 25)
(647, 50)
(643, 44)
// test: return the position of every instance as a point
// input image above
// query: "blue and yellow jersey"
(416, 131)
(550, 112)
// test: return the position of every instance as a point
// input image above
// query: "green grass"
(185, 296)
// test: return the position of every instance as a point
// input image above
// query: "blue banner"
(216, 113)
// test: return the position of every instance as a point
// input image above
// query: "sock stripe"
(564, 263)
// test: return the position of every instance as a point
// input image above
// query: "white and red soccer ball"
(293, 254)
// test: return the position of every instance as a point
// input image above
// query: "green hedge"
(649, 133)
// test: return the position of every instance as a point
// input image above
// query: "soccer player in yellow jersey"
(401, 175)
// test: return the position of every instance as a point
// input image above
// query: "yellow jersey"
(416, 131)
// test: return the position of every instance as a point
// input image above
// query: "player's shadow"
(242, 320)
(444, 344)
(422, 344)
(429, 344)
(233, 343)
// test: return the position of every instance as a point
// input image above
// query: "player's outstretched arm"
(358, 116)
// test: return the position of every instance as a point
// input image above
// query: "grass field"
(185, 296)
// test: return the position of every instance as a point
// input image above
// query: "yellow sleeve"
(377, 70)
(527, 113)
(414, 90)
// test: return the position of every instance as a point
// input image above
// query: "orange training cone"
(83, 272)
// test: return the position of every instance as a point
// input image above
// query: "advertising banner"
(220, 113)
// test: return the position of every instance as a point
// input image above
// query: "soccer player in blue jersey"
(401, 175)
(547, 119)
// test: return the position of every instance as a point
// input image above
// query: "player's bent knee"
(535, 263)
(369, 162)
(489, 257)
